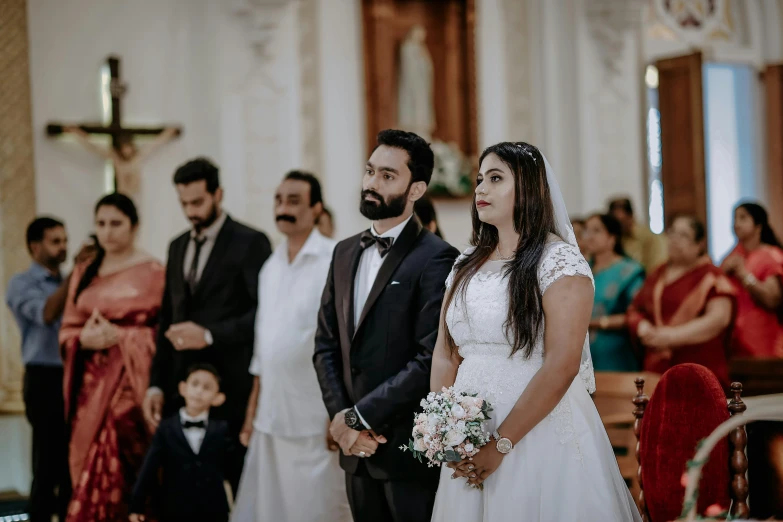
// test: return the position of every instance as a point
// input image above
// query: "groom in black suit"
(376, 332)
(209, 302)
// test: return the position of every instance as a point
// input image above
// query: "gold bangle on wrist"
(603, 323)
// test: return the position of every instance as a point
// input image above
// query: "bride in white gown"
(514, 330)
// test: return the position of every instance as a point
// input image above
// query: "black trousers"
(44, 408)
(374, 500)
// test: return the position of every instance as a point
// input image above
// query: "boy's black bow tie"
(384, 243)
(194, 424)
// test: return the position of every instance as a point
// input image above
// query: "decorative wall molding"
(261, 19)
(610, 21)
(17, 186)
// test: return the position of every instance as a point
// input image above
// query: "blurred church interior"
(676, 105)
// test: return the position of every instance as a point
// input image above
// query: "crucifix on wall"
(124, 155)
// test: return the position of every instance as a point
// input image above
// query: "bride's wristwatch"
(503, 444)
(352, 420)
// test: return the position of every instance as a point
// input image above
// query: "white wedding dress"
(564, 469)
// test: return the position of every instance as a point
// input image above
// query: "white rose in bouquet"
(458, 412)
(453, 438)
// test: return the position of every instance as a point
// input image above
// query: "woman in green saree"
(617, 279)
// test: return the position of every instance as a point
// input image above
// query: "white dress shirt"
(195, 436)
(289, 298)
(369, 266)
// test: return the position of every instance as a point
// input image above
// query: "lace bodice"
(476, 322)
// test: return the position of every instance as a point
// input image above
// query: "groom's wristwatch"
(352, 420)
(503, 444)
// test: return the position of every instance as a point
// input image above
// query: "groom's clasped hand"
(357, 443)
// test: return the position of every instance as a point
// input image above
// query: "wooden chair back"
(613, 393)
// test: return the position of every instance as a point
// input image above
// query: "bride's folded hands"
(480, 466)
(98, 333)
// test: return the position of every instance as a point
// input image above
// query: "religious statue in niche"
(415, 107)
(416, 113)
(125, 156)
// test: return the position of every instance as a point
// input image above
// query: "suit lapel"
(179, 434)
(353, 256)
(209, 436)
(222, 242)
(399, 250)
(178, 255)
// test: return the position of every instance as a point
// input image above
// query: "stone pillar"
(17, 184)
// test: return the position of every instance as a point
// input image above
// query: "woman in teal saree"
(617, 280)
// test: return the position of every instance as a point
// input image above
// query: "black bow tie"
(194, 424)
(384, 243)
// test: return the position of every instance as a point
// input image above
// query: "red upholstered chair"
(689, 403)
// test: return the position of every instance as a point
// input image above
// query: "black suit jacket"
(383, 365)
(224, 302)
(192, 486)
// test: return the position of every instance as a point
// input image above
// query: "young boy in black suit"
(191, 450)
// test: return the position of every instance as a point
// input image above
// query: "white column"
(557, 89)
(343, 137)
(611, 103)
(262, 116)
(491, 73)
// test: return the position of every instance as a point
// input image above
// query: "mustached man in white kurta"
(291, 474)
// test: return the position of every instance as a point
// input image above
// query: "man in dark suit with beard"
(209, 303)
(376, 332)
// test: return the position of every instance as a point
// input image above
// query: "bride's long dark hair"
(534, 220)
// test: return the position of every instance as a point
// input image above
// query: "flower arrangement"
(451, 427)
(452, 173)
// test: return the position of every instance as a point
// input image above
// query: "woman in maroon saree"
(684, 311)
(108, 340)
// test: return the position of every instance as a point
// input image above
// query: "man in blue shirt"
(37, 299)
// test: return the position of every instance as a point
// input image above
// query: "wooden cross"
(118, 133)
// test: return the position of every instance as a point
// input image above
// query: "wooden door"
(773, 87)
(682, 137)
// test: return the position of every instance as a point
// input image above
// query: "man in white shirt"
(290, 473)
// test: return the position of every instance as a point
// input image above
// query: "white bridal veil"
(566, 232)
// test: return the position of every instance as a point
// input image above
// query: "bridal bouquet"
(450, 428)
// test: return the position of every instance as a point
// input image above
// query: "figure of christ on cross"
(125, 156)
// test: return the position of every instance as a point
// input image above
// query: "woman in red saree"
(755, 268)
(108, 340)
(684, 311)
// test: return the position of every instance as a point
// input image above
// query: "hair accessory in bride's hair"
(527, 151)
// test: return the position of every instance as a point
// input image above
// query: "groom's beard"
(200, 223)
(383, 209)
